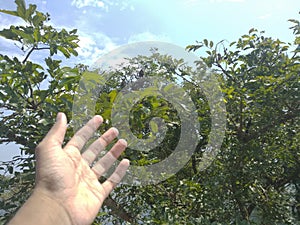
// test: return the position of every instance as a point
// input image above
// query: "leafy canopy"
(255, 178)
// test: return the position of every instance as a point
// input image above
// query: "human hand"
(64, 175)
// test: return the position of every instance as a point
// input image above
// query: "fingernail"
(126, 161)
(59, 116)
(99, 118)
(116, 131)
(123, 142)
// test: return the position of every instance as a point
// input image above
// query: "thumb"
(56, 134)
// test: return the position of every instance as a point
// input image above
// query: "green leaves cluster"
(36, 35)
(31, 95)
(256, 175)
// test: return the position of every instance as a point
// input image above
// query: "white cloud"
(6, 21)
(147, 36)
(123, 5)
(93, 46)
(7, 46)
(13, 52)
(104, 4)
(132, 8)
(84, 3)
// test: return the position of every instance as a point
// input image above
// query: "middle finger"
(99, 145)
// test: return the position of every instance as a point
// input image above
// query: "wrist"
(41, 209)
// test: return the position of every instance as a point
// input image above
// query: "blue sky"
(105, 25)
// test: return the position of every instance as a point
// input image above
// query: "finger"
(57, 133)
(116, 177)
(85, 133)
(108, 160)
(99, 145)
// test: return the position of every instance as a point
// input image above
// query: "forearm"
(40, 209)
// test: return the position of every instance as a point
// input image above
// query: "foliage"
(31, 95)
(255, 178)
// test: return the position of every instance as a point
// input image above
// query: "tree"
(253, 180)
(256, 176)
(29, 107)
(31, 95)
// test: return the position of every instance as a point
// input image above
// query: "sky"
(105, 25)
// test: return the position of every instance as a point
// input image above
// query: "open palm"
(66, 176)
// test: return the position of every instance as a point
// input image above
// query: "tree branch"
(31, 50)
(225, 72)
(29, 53)
(118, 210)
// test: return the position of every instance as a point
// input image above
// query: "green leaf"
(26, 35)
(74, 31)
(21, 8)
(113, 95)
(205, 41)
(252, 30)
(10, 169)
(64, 51)
(29, 12)
(38, 19)
(194, 47)
(37, 35)
(53, 49)
(9, 34)
(13, 13)
(232, 43)
(73, 51)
